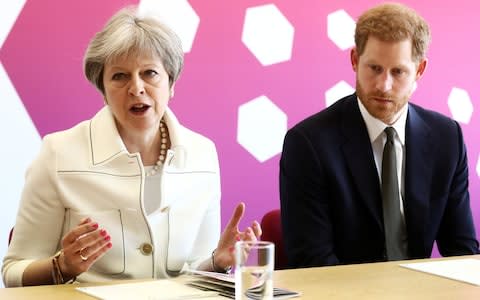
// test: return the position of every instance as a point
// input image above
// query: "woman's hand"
(224, 254)
(82, 246)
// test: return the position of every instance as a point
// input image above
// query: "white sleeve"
(38, 227)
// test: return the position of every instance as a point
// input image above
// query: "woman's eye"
(151, 73)
(119, 76)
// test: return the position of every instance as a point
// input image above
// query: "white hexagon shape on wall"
(268, 34)
(178, 15)
(341, 29)
(261, 128)
(338, 91)
(460, 105)
(9, 11)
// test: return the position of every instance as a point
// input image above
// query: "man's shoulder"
(430, 117)
(329, 117)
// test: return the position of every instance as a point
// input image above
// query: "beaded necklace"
(163, 149)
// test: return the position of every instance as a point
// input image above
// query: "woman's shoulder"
(186, 136)
(70, 135)
(192, 137)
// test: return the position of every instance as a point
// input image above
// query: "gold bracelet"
(217, 269)
(57, 274)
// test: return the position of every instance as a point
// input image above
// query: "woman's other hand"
(224, 255)
(82, 246)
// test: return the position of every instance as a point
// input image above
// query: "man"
(339, 205)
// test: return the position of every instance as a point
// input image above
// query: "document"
(224, 285)
(466, 270)
(149, 290)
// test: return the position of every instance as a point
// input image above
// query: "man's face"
(386, 76)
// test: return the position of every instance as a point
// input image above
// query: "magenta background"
(43, 57)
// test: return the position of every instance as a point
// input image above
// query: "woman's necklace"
(163, 149)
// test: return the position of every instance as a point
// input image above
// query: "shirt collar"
(376, 127)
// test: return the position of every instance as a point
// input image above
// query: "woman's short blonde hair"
(393, 22)
(128, 34)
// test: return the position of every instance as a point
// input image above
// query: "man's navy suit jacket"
(330, 193)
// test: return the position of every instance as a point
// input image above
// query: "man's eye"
(376, 69)
(398, 72)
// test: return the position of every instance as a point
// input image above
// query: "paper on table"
(466, 270)
(220, 276)
(149, 290)
(224, 284)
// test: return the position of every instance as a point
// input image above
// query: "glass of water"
(254, 270)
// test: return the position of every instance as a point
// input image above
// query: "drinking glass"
(254, 270)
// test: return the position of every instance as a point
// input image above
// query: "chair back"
(272, 232)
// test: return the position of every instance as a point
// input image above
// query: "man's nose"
(384, 82)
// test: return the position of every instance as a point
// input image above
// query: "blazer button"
(146, 248)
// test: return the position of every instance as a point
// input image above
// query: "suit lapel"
(359, 156)
(418, 177)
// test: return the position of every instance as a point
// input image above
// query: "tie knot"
(390, 131)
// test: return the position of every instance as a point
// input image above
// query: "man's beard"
(374, 109)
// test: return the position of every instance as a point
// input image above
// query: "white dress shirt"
(378, 138)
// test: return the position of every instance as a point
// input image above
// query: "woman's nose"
(137, 87)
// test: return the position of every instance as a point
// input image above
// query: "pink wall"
(44, 50)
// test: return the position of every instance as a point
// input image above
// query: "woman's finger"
(90, 243)
(236, 217)
(257, 229)
(100, 252)
(78, 232)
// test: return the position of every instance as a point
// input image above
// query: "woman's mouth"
(139, 108)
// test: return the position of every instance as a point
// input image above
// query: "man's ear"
(421, 68)
(354, 58)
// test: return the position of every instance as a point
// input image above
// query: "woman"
(133, 193)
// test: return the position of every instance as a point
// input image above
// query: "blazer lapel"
(418, 176)
(107, 148)
(359, 156)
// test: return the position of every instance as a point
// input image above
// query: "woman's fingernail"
(109, 245)
(107, 238)
(237, 238)
(95, 225)
(103, 232)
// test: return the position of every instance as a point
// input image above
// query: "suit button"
(146, 248)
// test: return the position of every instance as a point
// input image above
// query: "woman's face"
(137, 91)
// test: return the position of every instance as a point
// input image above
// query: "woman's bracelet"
(57, 274)
(217, 269)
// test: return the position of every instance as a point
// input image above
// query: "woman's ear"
(172, 90)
